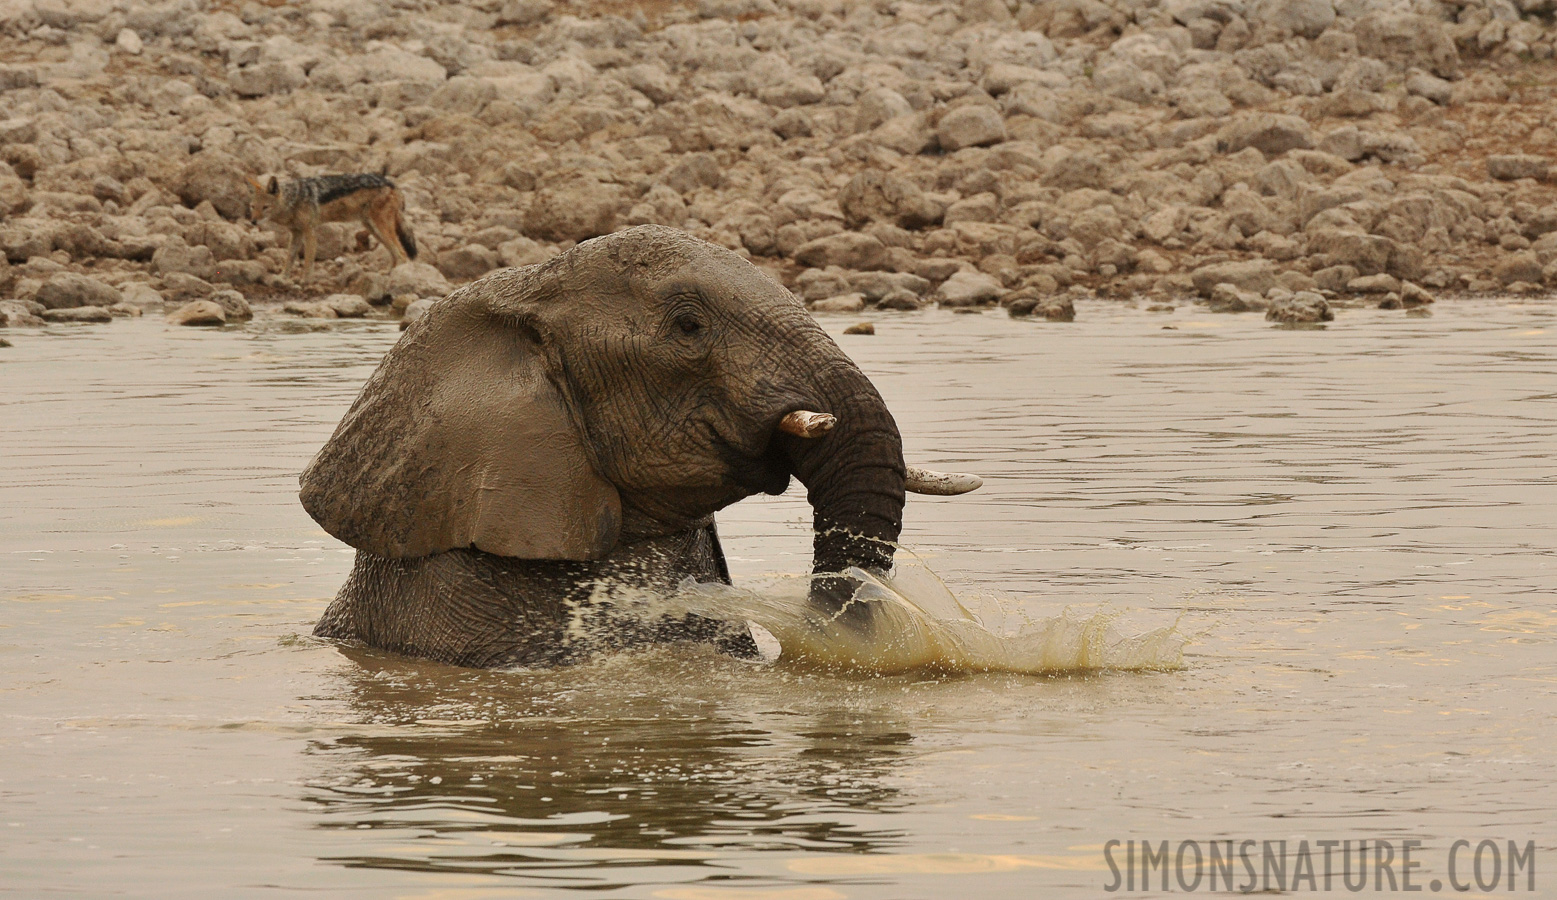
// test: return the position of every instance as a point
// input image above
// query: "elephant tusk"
(942, 484)
(805, 424)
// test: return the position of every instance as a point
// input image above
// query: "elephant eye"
(688, 324)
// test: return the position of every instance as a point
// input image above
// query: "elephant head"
(624, 390)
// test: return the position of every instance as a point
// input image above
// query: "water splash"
(918, 623)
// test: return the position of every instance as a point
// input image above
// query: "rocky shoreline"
(1278, 156)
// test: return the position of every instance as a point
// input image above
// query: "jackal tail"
(403, 233)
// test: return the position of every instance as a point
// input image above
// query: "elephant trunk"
(854, 477)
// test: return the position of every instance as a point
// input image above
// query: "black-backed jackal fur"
(301, 205)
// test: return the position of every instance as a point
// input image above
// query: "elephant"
(548, 430)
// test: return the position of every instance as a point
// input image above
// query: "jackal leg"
(292, 249)
(310, 247)
(371, 220)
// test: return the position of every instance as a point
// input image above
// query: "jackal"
(301, 205)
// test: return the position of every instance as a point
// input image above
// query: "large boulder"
(218, 177)
(651, 80)
(25, 238)
(82, 241)
(815, 284)
(418, 279)
(887, 197)
(18, 130)
(879, 105)
(1513, 166)
(1436, 89)
(178, 257)
(909, 135)
(969, 288)
(524, 12)
(14, 77)
(1029, 302)
(1304, 307)
(800, 90)
(1000, 78)
(68, 14)
(900, 299)
(233, 305)
(1032, 98)
(1308, 18)
(1522, 266)
(984, 207)
(225, 240)
(347, 306)
(843, 303)
(468, 262)
(393, 64)
(309, 309)
(1165, 223)
(141, 294)
(1270, 133)
(1226, 298)
(1382, 283)
(1127, 81)
(1368, 254)
(266, 78)
(198, 312)
(1254, 275)
(1408, 40)
(14, 192)
(79, 314)
(1081, 168)
(20, 313)
(1091, 227)
(573, 211)
(878, 285)
(755, 229)
(693, 171)
(849, 250)
(67, 290)
(974, 125)
(178, 287)
(1345, 142)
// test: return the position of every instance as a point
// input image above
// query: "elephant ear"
(461, 440)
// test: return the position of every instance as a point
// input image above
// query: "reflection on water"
(1356, 527)
(590, 767)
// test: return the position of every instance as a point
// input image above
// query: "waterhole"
(1223, 581)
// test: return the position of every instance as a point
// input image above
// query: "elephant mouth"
(768, 468)
(758, 460)
(763, 469)
(769, 473)
(795, 420)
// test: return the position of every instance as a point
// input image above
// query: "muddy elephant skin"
(550, 429)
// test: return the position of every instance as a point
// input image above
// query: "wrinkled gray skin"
(548, 428)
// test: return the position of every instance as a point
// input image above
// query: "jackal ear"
(460, 439)
(272, 186)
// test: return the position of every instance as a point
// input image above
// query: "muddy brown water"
(1353, 528)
